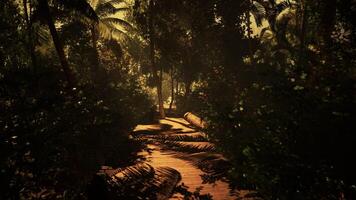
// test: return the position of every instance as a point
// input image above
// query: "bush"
(53, 141)
(286, 139)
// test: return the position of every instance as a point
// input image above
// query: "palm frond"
(189, 148)
(136, 173)
(259, 12)
(132, 183)
(264, 32)
(282, 6)
(115, 21)
(166, 180)
(212, 163)
(182, 138)
(281, 27)
(119, 35)
(113, 2)
(104, 9)
(81, 6)
(121, 9)
(142, 181)
(112, 12)
(214, 166)
(103, 30)
(110, 31)
(286, 14)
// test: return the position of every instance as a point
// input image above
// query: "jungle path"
(175, 143)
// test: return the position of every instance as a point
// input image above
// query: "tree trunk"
(185, 106)
(172, 91)
(327, 24)
(30, 36)
(97, 73)
(95, 37)
(177, 89)
(187, 85)
(303, 29)
(160, 96)
(157, 80)
(57, 43)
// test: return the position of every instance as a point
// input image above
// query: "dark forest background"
(274, 80)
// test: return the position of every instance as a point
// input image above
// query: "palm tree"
(270, 11)
(43, 10)
(111, 27)
(111, 24)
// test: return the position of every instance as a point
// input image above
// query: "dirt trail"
(159, 155)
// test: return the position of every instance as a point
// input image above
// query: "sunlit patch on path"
(174, 143)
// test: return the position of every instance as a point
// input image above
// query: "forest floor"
(159, 154)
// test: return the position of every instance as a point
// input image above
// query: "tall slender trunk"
(172, 91)
(302, 59)
(95, 37)
(303, 29)
(177, 88)
(157, 80)
(57, 43)
(30, 36)
(96, 73)
(160, 95)
(187, 85)
(328, 18)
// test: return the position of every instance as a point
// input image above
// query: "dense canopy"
(272, 81)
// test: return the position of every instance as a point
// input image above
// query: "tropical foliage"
(273, 79)
(53, 138)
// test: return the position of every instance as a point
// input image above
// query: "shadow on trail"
(176, 144)
(181, 123)
(185, 132)
(176, 162)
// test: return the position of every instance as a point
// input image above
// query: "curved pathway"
(158, 154)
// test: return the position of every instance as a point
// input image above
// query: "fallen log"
(195, 120)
